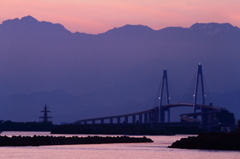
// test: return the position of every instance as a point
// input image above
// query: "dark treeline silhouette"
(210, 141)
(131, 129)
(25, 126)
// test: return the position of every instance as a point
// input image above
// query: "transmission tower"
(45, 116)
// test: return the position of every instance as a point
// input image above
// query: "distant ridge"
(132, 29)
(214, 28)
(206, 26)
(29, 23)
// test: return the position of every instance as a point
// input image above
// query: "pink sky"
(98, 16)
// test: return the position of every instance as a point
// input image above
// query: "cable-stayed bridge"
(207, 116)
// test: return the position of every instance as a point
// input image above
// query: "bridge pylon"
(198, 81)
(161, 110)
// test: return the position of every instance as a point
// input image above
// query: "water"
(156, 150)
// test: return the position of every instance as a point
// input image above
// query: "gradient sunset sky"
(98, 16)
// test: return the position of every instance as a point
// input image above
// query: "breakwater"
(62, 140)
(210, 141)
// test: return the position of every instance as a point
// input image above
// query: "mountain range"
(82, 75)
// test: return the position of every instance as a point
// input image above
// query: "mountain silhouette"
(30, 24)
(118, 71)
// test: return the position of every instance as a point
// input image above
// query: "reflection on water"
(156, 150)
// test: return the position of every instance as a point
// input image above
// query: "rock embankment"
(62, 140)
(210, 141)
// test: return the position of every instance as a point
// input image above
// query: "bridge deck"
(164, 107)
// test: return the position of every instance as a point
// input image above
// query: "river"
(156, 150)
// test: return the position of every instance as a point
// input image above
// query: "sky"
(98, 16)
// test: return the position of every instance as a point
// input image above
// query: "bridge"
(204, 115)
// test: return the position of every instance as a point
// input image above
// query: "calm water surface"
(156, 150)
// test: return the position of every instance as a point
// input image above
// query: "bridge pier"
(150, 117)
(162, 116)
(134, 119)
(140, 118)
(118, 120)
(102, 121)
(111, 120)
(126, 119)
(145, 117)
(156, 113)
(168, 111)
(154, 117)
